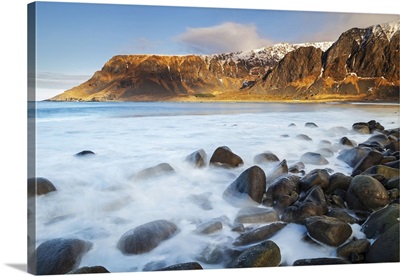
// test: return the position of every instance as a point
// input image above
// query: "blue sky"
(74, 40)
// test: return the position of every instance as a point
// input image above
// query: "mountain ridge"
(362, 64)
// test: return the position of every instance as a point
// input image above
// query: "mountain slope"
(361, 64)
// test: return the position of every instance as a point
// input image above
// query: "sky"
(73, 40)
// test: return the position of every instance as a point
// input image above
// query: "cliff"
(362, 64)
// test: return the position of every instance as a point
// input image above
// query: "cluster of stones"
(326, 203)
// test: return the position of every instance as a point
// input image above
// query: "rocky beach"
(350, 216)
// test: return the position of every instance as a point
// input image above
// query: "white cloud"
(226, 37)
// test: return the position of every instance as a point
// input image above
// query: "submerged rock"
(84, 153)
(182, 266)
(197, 158)
(40, 186)
(256, 215)
(320, 261)
(146, 237)
(313, 158)
(89, 270)
(158, 170)
(209, 227)
(266, 157)
(259, 234)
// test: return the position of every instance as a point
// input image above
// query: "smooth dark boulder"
(338, 181)
(158, 170)
(312, 203)
(353, 251)
(342, 215)
(146, 237)
(297, 167)
(224, 157)
(266, 157)
(259, 234)
(58, 256)
(366, 194)
(319, 261)
(84, 153)
(316, 177)
(310, 125)
(279, 170)
(282, 192)
(352, 156)
(393, 183)
(182, 266)
(303, 137)
(89, 270)
(250, 185)
(381, 220)
(40, 186)
(328, 230)
(380, 138)
(347, 143)
(386, 247)
(361, 128)
(208, 227)
(383, 170)
(313, 158)
(256, 215)
(375, 126)
(266, 254)
(372, 158)
(197, 159)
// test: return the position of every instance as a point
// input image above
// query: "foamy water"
(98, 200)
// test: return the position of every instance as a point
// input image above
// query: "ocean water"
(99, 200)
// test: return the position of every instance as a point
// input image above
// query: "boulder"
(313, 158)
(380, 138)
(297, 167)
(266, 157)
(317, 177)
(381, 220)
(251, 184)
(40, 186)
(282, 192)
(386, 247)
(354, 251)
(146, 237)
(303, 137)
(310, 125)
(347, 143)
(338, 181)
(342, 215)
(372, 158)
(366, 194)
(328, 230)
(352, 156)
(58, 256)
(85, 153)
(259, 234)
(383, 170)
(325, 152)
(256, 215)
(361, 128)
(182, 266)
(320, 261)
(197, 159)
(279, 170)
(224, 157)
(208, 227)
(158, 170)
(266, 254)
(89, 270)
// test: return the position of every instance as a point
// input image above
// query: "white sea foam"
(98, 200)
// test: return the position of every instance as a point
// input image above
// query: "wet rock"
(342, 215)
(393, 183)
(197, 158)
(381, 220)
(383, 170)
(259, 234)
(152, 266)
(316, 177)
(84, 153)
(146, 237)
(211, 254)
(313, 203)
(224, 157)
(58, 256)
(324, 144)
(89, 270)
(266, 157)
(320, 261)
(375, 126)
(338, 181)
(361, 128)
(352, 156)
(279, 170)
(282, 192)
(366, 194)
(313, 158)
(370, 159)
(209, 227)
(297, 167)
(310, 125)
(251, 184)
(292, 125)
(266, 254)
(202, 200)
(256, 215)
(354, 251)
(346, 142)
(328, 230)
(325, 152)
(393, 146)
(182, 266)
(386, 247)
(158, 170)
(382, 139)
(40, 186)
(303, 137)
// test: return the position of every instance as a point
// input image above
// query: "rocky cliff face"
(361, 64)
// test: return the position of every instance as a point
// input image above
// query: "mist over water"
(98, 198)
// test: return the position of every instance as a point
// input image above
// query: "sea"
(98, 198)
